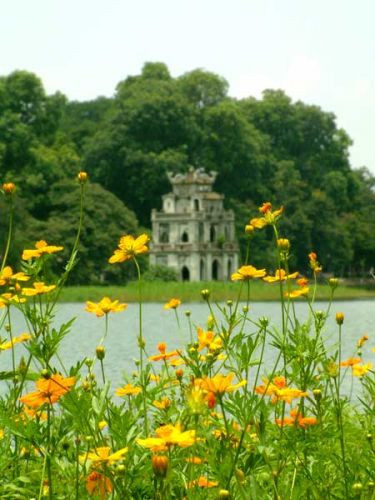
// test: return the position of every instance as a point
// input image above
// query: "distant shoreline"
(189, 292)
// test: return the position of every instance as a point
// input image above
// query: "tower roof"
(193, 176)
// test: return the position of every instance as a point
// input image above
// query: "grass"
(190, 292)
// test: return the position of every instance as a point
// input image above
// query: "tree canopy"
(289, 153)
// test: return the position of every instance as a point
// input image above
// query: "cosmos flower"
(129, 247)
(105, 306)
(41, 247)
(248, 272)
(173, 304)
(48, 390)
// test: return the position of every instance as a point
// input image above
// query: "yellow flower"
(219, 384)
(41, 247)
(173, 304)
(102, 455)
(280, 275)
(39, 288)
(167, 436)
(362, 340)
(7, 275)
(163, 404)
(9, 187)
(82, 177)
(105, 306)
(248, 272)
(7, 298)
(129, 247)
(258, 223)
(8, 345)
(102, 424)
(360, 370)
(209, 340)
(297, 293)
(128, 390)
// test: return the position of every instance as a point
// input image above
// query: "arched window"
(215, 270)
(185, 237)
(185, 274)
(196, 205)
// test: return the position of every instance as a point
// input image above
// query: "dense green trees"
(272, 149)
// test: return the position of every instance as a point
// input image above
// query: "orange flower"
(351, 362)
(296, 419)
(128, 390)
(41, 247)
(194, 460)
(21, 338)
(105, 306)
(7, 275)
(129, 247)
(302, 282)
(248, 272)
(162, 346)
(172, 304)
(280, 275)
(48, 390)
(279, 390)
(98, 484)
(39, 289)
(202, 482)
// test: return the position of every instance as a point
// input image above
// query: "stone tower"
(192, 233)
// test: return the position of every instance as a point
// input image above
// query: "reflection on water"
(160, 325)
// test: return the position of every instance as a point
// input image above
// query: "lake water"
(160, 325)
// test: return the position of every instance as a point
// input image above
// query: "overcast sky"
(319, 51)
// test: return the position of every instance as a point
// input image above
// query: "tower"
(192, 233)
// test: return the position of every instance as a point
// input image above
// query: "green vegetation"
(289, 153)
(250, 408)
(160, 291)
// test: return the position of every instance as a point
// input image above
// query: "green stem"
(10, 230)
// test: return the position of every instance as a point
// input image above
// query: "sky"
(319, 51)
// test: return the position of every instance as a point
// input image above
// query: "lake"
(160, 325)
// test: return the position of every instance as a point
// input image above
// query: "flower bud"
(100, 352)
(187, 313)
(245, 309)
(9, 188)
(120, 468)
(160, 464)
(317, 394)
(141, 343)
(263, 321)
(7, 327)
(224, 494)
(229, 303)
(240, 475)
(369, 436)
(179, 373)
(333, 283)
(88, 362)
(205, 294)
(283, 244)
(249, 229)
(45, 373)
(339, 318)
(82, 177)
(357, 487)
